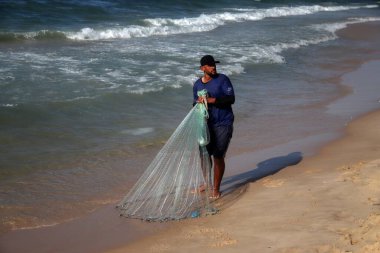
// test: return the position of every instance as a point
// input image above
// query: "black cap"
(208, 60)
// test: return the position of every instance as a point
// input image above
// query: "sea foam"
(138, 131)
(202, 23)
(333, 27)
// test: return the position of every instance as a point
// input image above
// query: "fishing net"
(177, 183)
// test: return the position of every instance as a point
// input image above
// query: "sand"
(326, 203)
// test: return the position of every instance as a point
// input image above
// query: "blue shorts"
(220, 137)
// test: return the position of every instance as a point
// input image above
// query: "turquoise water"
(90, 91)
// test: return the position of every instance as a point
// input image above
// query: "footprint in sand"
(366, 236)
(160, 247)
(312, 171)
(351, 173)
(371, 248)
(273, 183)
(292, 250)
(214, 238)
(317, 249)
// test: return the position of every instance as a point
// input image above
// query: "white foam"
(80, 98)
(202, 23)
(278, 48)
(7, 78)
(138, 131)
(266, 54)
(143, 90)
(8, 105)
(333, 27)
(272, 53)
(237, 58)
(233, 69)
(72, 71)
(141, 79)
(38, 226)
(190, 79)
(115, 73)
(40, 59)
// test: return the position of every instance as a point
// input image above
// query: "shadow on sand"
(263, 169)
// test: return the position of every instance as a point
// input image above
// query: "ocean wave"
(202, 23)
(272, 54)
(333, 27)
(267, 54)
(237, 59)
(40, 35)
(170, 26)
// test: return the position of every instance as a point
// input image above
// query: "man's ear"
(202, 68)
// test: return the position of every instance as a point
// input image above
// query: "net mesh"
(176, 183)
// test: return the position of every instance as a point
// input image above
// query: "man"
(220, 97)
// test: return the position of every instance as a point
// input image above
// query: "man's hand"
(209, 100)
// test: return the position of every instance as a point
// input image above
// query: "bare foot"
(201, 188)
(216, 195)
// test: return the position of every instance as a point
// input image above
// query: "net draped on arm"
(170, 187)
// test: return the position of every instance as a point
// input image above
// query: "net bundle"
(176, 183)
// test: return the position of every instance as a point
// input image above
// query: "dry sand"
(327, 203)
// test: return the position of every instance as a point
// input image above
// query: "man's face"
(209, 70)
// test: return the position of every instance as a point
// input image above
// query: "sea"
(91, 90)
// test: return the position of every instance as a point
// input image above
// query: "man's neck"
(206, 78)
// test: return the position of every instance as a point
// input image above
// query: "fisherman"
(220, 97)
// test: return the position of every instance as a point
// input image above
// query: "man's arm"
(229, 94)
(195, 94)
(226, 100)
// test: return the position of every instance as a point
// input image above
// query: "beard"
(211, 74)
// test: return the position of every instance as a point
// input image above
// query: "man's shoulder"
(197, 82)
(222, 77)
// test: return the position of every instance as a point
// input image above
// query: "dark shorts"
(220, 137)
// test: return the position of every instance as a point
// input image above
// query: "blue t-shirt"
(218, 87)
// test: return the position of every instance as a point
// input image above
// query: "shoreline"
(325, 203)
(107, 221)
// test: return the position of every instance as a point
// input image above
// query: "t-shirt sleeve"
(227, 88)
(228, 97)
(195, 93)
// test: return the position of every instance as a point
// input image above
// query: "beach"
(326, 203)
(86, 105)
(273, 200)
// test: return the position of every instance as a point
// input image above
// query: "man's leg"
(219, 167)
(223, 136)
(206, 165)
